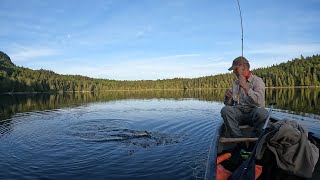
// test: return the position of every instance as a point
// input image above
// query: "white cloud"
(161, 67)
(176, 56)
(21, 53)
(271, 54)
(286, 49)
(144, 31)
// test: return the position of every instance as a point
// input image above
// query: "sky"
(155, 39)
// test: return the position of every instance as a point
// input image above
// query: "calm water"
(122, 135)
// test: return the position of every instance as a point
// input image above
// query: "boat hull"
(217, 147)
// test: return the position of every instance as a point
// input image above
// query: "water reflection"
(69, 135)
(297, 100)
(300, 100)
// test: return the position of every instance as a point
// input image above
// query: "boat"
(221, 142)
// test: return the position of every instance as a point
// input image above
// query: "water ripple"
(74, 142)
(117, 130)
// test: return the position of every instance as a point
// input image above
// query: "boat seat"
(236, 140)
(246, 129)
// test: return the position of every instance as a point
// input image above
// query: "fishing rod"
(241, 28)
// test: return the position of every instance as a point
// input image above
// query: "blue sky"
(155, 39)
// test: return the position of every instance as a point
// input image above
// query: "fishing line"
(241, 28)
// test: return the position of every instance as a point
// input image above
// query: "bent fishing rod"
(241, 28)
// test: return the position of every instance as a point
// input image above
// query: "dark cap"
(237, 62)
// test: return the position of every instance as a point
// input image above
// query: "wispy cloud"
(144, 31)
(176, 57)
(21, 53)
(276, 49)
(271, 54)
(161, 67)
(214, 65)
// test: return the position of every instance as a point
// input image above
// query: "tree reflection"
(305, 100)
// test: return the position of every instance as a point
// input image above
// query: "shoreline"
(292, 87)
(283, 87)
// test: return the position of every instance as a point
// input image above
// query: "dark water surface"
(127, 139)
(121, 135)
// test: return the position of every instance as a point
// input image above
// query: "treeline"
(298, 72)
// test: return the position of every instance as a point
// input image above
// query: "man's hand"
(228, 97)
(243, 83)
(228, 93)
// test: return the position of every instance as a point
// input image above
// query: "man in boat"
(245, 102)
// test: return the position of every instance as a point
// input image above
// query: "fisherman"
(245, 102)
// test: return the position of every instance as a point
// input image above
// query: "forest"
(302, 71)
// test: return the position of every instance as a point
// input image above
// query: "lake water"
(122, 135)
